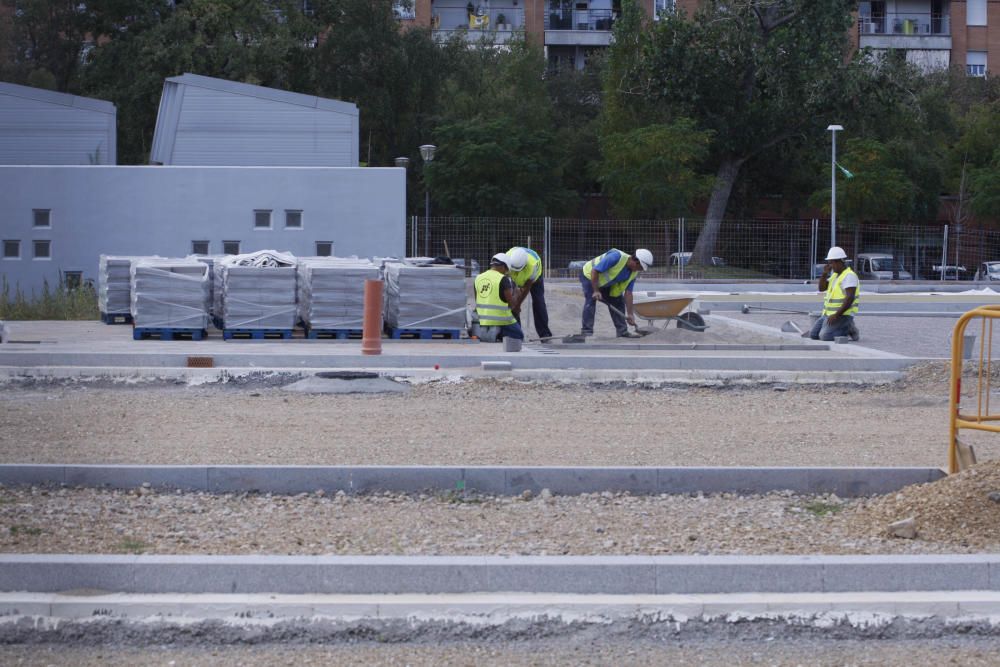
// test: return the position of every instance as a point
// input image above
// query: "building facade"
(935, 34)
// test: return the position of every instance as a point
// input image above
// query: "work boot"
(584, 332)
(629, 334)
(853, 332)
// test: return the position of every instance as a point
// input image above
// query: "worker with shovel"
(840, 302)
(609, 278)
(494, 299)
(526, 272)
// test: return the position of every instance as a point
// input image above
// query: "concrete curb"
(493, 480)
(498, 608)
(586, 575)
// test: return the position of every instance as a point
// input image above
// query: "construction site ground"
(153, 413)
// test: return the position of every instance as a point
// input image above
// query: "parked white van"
(880, 266)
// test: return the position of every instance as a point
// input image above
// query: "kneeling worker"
(526, 272)
(609, 278)
(494, 299)
(840, 303)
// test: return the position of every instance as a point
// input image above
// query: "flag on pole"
(846, 173)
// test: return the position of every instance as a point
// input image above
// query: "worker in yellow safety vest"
(842, 290)
(526, 272)
(495, 297)
(609, 278)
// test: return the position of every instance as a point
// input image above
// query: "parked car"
(577, 264)
(684, 258)
(880, 266)
(988, 271)
(951, 272)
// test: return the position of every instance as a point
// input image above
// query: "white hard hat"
(501, 258)
(645, 258)
(518, 258)
(836, 252)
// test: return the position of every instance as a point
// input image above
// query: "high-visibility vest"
(532, 270)
(493, 310)
(606, 277)
(835, 296)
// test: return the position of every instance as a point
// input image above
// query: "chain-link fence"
(745, 249)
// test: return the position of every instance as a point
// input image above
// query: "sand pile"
(955, 510)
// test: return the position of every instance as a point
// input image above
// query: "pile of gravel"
(961, 510)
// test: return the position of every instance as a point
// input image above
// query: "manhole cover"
(347, 375)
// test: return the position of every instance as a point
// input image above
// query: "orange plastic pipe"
(371, 335)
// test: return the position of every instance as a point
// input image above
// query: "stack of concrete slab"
(214, 295)
(114, 290)
(258, 291)
(424, 297)
(169, 294)
(332, 291)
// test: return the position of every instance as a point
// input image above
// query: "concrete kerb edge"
(430, 575)
(490, 480)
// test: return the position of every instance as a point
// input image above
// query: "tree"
(650, 172)
(756, 73)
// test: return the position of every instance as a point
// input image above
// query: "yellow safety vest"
(531, 271)
(835, 296)
(618, 288)
(493, 310)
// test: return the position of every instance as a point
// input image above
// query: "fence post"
(680, 248)
(546, 241)
(813, 247)
(944, 252)
(413, 236)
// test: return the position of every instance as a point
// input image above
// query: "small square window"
(12, 250)
(43, 249)
(324, 248)
(262, 219)
(72, 279)
(199, 247)
(230, 247)
(293, 219)
(42, 217)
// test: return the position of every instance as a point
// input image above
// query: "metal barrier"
(961, 455)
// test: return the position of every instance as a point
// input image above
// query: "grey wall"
(44, 127)
(208, 121)
(160, 210)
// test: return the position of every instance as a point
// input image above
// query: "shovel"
(747, 308)
(641, 332)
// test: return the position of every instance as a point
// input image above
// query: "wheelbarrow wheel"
(691, 322)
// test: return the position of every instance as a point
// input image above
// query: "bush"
(62, 303)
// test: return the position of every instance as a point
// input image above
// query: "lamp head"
(402, 162)
(427, 152)
(835, 128)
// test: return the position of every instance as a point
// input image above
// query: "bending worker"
(609, 278)
(840, 303)
(495, 296)
(526, 272)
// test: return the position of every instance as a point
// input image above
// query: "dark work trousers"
(538, 309)
(590, 307)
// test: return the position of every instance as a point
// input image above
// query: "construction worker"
(495, 296)
(609, 278)
(840, 303)
(526, 272)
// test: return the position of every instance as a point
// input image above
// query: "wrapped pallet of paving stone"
(214, 295)
(332, 291)
(169, 294)
(258, 291)
(424, 297)
(114, 284)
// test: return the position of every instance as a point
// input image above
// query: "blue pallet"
(425, 334)
(116, 318)
(145, 333)
(339, 334)
(256, 334)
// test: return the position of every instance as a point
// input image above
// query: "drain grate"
(200, 362)
(347, 375)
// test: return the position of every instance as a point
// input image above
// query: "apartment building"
(934, 34)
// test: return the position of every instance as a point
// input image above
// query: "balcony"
(499, 25)
(905, 30)
(579, 27)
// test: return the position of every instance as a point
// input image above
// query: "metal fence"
(745, 250)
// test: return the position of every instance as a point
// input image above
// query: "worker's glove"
(598, 296)
(630, 320)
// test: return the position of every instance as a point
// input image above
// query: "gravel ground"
(765, 652)
(954, 515)
(440, 423)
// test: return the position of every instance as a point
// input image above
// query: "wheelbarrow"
(669, 308)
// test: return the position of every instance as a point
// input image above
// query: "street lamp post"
(833, 185)
(427, 153)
